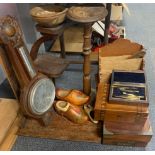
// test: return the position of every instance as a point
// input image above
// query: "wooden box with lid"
(132, 135)
(113, 112)
(125, 55)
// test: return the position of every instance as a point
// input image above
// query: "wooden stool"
(54, 32)
(47, 64)
(87, 16)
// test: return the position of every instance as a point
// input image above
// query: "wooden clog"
(72, 112)
(75, 97)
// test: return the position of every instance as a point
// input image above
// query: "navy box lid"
(128, 87)
(125, 76)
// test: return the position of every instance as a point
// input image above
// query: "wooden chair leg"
(62, 46)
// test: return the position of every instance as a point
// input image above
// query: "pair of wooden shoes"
(70, 105)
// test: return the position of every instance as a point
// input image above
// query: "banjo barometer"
(37, 91)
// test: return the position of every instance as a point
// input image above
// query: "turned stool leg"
(62, 46)
(87, 63)
(107, 23)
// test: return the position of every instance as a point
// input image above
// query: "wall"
(8, 9)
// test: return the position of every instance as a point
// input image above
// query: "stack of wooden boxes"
(124, 124)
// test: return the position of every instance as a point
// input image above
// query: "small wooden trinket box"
(128, 137)
(128, 87)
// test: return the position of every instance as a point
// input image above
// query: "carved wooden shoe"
(73, 113)
(75, 97)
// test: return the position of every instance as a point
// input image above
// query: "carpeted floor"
(140, 28)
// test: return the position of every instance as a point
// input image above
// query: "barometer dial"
(42, 96)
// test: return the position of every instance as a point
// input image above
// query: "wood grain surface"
(62, 129)
(140, 138)
(8, 114)
(117, 112)
(11, 136)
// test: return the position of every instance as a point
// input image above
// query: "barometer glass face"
(42, 96)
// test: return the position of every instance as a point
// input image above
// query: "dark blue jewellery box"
(128, 87)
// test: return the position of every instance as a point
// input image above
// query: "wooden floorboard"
(11, 136)
(8, 113)
(8, 123)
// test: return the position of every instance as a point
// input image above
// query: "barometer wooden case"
(37, 91)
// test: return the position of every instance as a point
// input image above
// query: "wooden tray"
(62, 129)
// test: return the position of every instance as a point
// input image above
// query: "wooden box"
(117, 136)
(119, 55)
(112, 112)
(123, 127)
(122, 54)
(128, 87)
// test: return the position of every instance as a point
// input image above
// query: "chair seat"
(51, 66)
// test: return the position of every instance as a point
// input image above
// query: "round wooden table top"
(87, 14)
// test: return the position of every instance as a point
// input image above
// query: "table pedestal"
(87, 16)
(87, 63)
